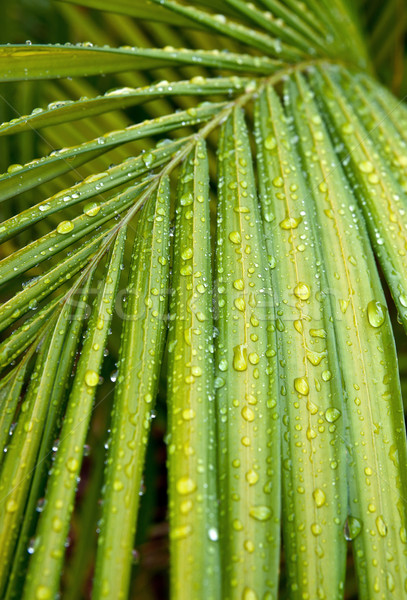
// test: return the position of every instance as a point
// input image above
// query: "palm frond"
(260, 320)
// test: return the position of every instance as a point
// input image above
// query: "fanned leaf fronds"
(201, 221)
(314, 456)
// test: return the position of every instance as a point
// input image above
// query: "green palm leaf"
(256, 329)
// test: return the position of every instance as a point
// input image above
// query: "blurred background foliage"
(45, 21)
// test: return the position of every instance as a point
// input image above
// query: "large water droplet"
(332, 414)
(302, 291)
(91, 378)
(240, 358)
(352, 528)
(65, 227)
(319, 497)
(376, 313)
(301, 385)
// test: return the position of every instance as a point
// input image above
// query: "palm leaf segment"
(291, 415)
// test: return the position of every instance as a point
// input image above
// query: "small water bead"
(186, 485)
(290, 223)
(235, 237)
(318, 333)
(252, 477)
(213, 534)
(237, 525)
(278, 182)
(376, 313)
(91, 209)
(223, 364)
(366, 166)
(65, 227)
(403, 300)
(11, 506)
(188, 414)
(260, 513)
(91, 378)
(332, 414)
(186, 199)
(240, 304)
(381, 526)
(249, 546)
(238, 284)
(319, 497)
(248, 414)
(352, 528)
(326, 375)
(72, 464)
(43, 593)
(301, 385)
(179, 533)
(270, 142)
(302, 291)
(186, 270)
(316, 529)
(187, 254)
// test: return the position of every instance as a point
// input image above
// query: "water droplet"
(11, 506)
(240, 304)
(319, 497)
(302, 291)
(366, 166)
(376, 313)
(65, 227)
(352, 528)
(240, 358)
(43, 593)
(332, 414)
(290, 223)
(316, 529)
(248, 414)
(252, 477)
(254, 358)
(319, 333)
(186, 199)
(91, 209)
(178, 533)
(326, 375)
(235, 237)
(72, 465)
(270, 142)
(238, 284)
(301, 385)
(187, 254)
(260, 513)
(186, 485)
(213, 534)
(91, 378)
(278, 182)
(57, 524)
(188, 414)
(381, 526)
(249, 594)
